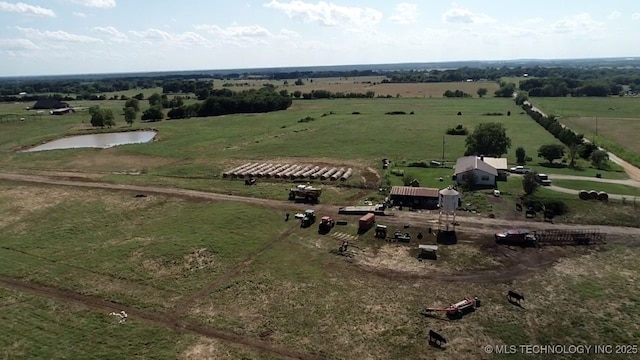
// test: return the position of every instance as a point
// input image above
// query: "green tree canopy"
(129, 115)
(599, 159)
(551, 152)
(488, 139)
(101, 117)
(529, 183)
(153, 113)
(133, 103)
(482, 92)
(521, 155)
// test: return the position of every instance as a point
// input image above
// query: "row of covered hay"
(288, 171)
(593, 195)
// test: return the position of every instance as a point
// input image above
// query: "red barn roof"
(414, 191)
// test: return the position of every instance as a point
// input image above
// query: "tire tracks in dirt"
(158, 319)
(186, 303)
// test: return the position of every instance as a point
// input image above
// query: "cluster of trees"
(71, 86)
(488, 139)
(505, 90)
(456, 94)
(553, 87)
(101, 117)
(551, 124)
(189, 86)
(326, 94)
(575, 143)
(223, 102)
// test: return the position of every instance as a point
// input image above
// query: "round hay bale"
(593, 194)
(603, 196)
(583, 195)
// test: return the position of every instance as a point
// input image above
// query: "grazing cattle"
(435, 338)
(141, 195)
(122, 315)
(514, 295)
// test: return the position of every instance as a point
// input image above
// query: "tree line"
(553, 87)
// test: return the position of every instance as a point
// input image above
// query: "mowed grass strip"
(106, 243)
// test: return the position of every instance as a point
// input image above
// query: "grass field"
(165, 256)
(598, 186)
(617, 119)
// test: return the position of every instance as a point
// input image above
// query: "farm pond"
(103, 141)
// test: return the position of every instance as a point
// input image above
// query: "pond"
(103, 141)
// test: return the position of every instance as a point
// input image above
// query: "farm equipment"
(457, 310)
(516, 237)
(326, 224)
(397, 236)
(308, 219)
(306, 193)
(381, 231)
(366, 222)
(250, 181)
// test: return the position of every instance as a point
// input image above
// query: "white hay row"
(289, 171)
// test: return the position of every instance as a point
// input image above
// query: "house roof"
(414, 191)
(468, 163)
(49, 104)
(496, 163)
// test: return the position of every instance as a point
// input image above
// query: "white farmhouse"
(485, 174)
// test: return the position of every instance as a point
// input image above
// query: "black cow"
(514, 295)
(436, 339)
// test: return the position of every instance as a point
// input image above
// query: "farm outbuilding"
(485, 174)
(415, 197)
(48, 104)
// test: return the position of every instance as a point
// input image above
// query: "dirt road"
(628, 182)
(470, 223)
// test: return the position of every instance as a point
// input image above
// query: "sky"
(52, 37)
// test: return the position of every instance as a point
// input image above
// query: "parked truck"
(306, 193)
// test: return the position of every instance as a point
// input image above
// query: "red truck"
(366, 222)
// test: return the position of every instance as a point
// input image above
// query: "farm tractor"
(326, 224)
(306, 193)
(308, 219)
(457, 310)
(381, 231)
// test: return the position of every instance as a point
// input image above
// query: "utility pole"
(442, 163)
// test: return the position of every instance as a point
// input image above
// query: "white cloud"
(246, 35)
(635, 16)
(113, 33)
(17, 44)
(405, 13)
(79, 14)
(103, 4)
(614, 15)
(580, 24)
(465, 16)
(186, 39)
(56, 35)
(25, 9)
(328, 14)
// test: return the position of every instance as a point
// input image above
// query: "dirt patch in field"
(117, 162)
(20, 201)
(395, 257)
(206, 349)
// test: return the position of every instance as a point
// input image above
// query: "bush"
(307, 119)
(396, 113)
(493, 114)
(458, 130)
(397, 172)
(422, 164)
(557, 207)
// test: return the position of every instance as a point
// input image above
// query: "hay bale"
(593, 195)
(583, 195)
(603, 196)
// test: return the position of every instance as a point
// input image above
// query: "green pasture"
(611, 122)
(365, 137)
(85, 240)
